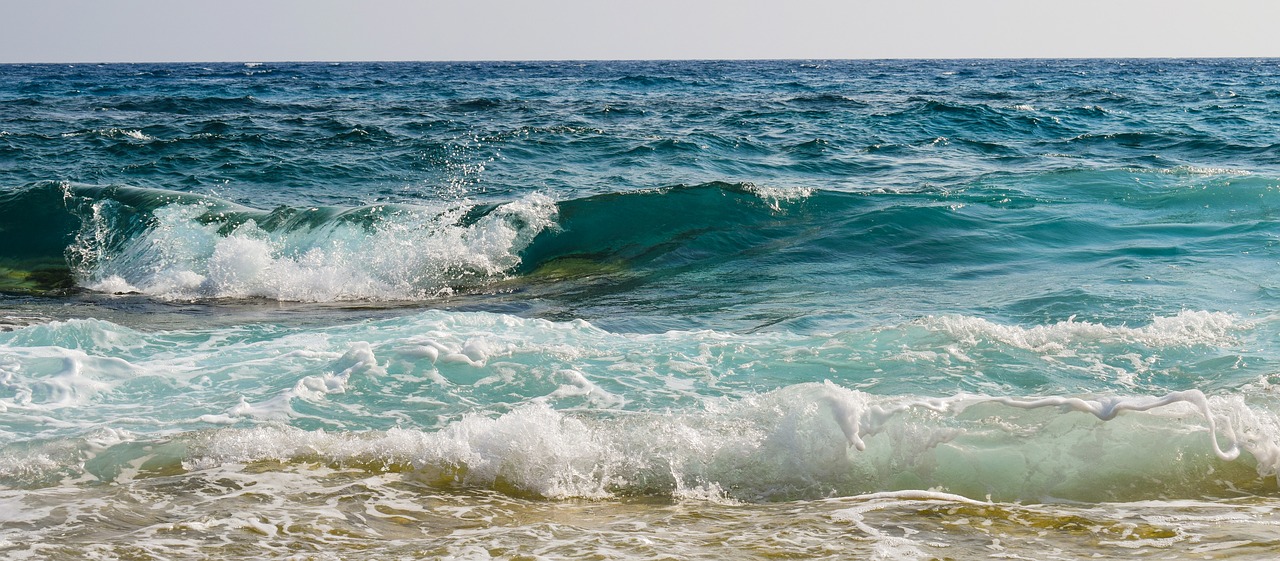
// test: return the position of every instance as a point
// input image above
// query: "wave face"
(803, 309)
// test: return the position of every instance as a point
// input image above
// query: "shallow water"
(883, 309)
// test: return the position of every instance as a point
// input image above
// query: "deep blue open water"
(627, 310)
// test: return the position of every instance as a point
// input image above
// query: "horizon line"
(598, 60)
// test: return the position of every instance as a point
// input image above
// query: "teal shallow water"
(895, 309)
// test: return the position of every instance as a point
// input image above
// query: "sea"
(874, 309)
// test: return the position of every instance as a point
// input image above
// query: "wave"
(822, 100)
(565, 409)
(690, 221)
(180, 245)
(973, 121)
(184, 246)
(188, 246)
(1055, 358)
(805, 441)
(378, 252)
(813, 441)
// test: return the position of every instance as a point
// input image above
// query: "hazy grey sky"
(258, 30)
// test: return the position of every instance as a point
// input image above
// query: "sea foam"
(1187, 328)
(795, 443)
(408, 254)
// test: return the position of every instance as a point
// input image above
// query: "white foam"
(918, 495)
(114, 284)
(411, 254)
(1106, 408)
(68, 387)
(468, 553)
(859, 418)
(887, 546)
(576, 384)
(53, 378)
(776, 196)
(359, 360)
(1192, 170)
(1187, 328)
(135, 134)
(798, 440)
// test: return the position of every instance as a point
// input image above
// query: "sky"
(329, 30)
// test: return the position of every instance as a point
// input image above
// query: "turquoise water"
(819, 309)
